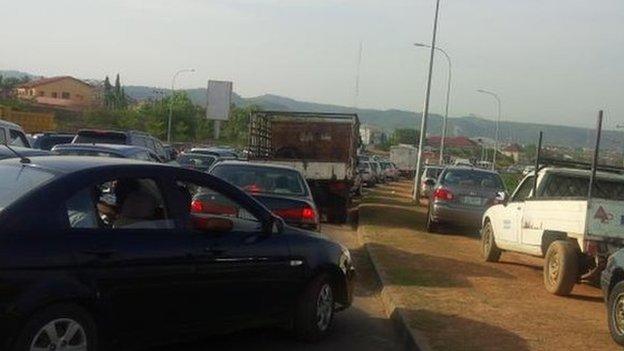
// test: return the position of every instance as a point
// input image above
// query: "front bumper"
(462, 216)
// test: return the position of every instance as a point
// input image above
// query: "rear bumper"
(444, 213)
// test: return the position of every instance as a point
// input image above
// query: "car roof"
(470, 168)
(254, 164)
(23, 151)
(70, 164)
(116, 148)
(8, 124)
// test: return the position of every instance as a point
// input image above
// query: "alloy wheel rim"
(324, 307)
(487, 242)
(553, 267)
(61, 334)
(618, 314)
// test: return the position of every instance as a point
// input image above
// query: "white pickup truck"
(574, 233)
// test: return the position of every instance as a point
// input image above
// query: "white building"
(372, 134)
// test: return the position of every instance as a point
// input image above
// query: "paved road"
(362, 327)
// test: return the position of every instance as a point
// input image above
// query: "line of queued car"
(373, 170)
(100, 249)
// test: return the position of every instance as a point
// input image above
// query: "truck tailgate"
(605, 218)
(317, 170)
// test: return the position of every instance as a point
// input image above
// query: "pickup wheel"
(561, 267)
(489, 250)
(615, 308)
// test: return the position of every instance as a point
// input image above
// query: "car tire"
(615, 313)
(431, 226)
(315, 310)
(561, 267)
(489, 251)
(63, 318)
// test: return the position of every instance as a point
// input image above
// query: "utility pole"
(498, 104)
(448, 98)
(171, 102)
(621, 126)
(425, 114)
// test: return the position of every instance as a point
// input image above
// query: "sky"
(551, 61)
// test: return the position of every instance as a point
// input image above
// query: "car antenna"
(23, 159)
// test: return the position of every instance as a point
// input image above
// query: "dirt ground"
(460, 302)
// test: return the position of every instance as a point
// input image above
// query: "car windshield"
(100, 138)
(196, 161)
(472, 178)
(15, 182)
(258, 179)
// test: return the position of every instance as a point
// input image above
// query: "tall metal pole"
(171, 102)
(425, 115)
(498, 102)
(448, 98)
(621, 126)
(595, 159)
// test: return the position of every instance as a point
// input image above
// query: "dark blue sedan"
(99, 253)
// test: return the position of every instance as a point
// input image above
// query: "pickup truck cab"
(575, 233)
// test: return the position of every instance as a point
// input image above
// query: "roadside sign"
(219, 100)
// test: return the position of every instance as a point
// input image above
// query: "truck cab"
(13, 134)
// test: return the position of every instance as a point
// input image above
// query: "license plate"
(472, 200)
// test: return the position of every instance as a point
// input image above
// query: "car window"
(266, 180)
(562, 185)
(202, 162)
(15, 182)
(142, 155)
(205, 203)
(471, 178)
(524, 190)
(124, 203)
(95, 137)
(18, 138)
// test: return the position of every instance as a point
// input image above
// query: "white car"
(13, 134)
(574, 233)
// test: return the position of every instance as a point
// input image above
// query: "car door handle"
(100, 253)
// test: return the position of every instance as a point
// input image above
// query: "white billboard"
(219, 100)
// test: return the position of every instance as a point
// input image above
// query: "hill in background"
(470, 126)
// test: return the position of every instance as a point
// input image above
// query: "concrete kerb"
(413, 340)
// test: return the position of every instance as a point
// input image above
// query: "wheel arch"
(616, 277)
(550, 236)
(338, 280)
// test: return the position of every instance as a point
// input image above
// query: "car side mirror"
(501, 198)
(430, 182)
(212, 224)
(277, 226)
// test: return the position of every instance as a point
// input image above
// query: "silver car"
(461, 196)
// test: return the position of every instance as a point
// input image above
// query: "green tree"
(405, 136)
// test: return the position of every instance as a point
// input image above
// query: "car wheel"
(315, 311)
(432, 226)
(615, 313)
(59, 327)
(561, 268)
(489, 250)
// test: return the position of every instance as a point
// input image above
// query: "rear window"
(266, 180)
(86, 153)
(472, 178)
(560, 185)
(203, 162)
(100, 138)
(15, 182)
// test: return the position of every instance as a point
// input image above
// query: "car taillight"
(299, 213)
(196, 206)
(442, 194)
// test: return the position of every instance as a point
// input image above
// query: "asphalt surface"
(362, 327)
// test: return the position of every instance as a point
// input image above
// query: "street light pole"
(171, 102)
(498, 102)
(448, 98)
(621, 126)
(425, 114)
